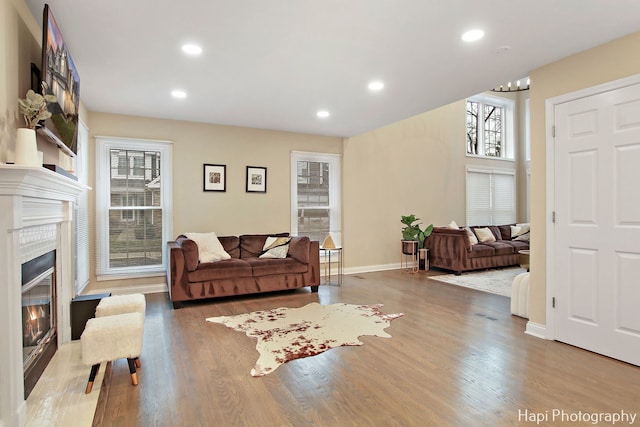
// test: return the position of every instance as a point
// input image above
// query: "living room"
(375, 173)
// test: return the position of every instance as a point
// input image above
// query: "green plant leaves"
(413, 231)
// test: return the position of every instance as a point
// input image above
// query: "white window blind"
(82, 211)
(490, 196)
(315, 195)
(133, 206)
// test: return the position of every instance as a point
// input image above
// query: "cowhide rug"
(286, 334)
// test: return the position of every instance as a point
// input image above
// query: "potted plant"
(34, 108)
(413, 235)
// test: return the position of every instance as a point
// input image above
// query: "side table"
(83, 308)
(327, 264)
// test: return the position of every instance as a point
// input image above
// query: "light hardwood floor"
(457, 358)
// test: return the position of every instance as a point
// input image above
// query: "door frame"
(550, 104)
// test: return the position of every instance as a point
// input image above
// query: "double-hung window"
(490, 196)
(490, 127)
(315, 195)
(133, 206)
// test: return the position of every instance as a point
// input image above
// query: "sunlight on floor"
(58, 398)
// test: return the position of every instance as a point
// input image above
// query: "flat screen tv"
(62, 80)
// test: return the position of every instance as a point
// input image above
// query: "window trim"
(104, 145)
(508, 126)
(335, 206)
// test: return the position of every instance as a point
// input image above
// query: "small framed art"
(215, 177)
(256, 179)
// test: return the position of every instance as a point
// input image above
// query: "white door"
(597, 228)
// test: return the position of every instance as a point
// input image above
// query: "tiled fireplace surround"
(36, 215)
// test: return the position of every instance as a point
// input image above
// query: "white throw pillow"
(473, 240)
(275, 247)
(522, 233)
(453, 225)
(515, 230)
(485, 235)
(209, 247)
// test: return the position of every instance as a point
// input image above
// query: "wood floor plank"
(456, 358)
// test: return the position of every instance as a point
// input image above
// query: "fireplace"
(39, 324)
(36, 272)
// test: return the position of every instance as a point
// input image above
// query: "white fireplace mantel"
(31, 199)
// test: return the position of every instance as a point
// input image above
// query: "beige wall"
(20, 39)
(233, 212)
(617, 59)
(418, 166)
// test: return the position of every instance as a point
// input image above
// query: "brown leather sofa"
(244, 273)
(450, 249)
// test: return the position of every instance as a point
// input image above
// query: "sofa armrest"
(190, 252)
(177, 281)
(299, 248)
(448, 243)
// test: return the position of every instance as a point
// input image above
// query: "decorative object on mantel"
(26, 151)
(61, 171)
(34, 108)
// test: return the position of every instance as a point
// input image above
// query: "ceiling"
(274, 64)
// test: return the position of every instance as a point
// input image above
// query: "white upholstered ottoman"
(520, 295)
(112, 337)
(119, 304)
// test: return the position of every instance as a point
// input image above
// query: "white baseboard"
(371, 268)
(536, 330)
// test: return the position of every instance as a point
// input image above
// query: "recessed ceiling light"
(473, 35)
(178, 94)
(192, 49)
(375, 86)
(322, 114)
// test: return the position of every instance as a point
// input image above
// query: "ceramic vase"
(26, 152)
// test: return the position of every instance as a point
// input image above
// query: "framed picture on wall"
(256, 179)
(215, 177)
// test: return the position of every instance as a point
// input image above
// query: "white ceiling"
(273, 64)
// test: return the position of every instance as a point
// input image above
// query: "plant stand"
(409, 256)
(423, 259)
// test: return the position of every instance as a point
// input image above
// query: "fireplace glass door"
(38, 315)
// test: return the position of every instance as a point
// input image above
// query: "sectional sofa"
(471, 248)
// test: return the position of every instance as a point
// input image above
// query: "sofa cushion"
(517, 245)
(270, 266)
(501, 248)
(251, 244)
(226, 269)
(480, 251)
(231, 245)
(505, 231)
(299, 248)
